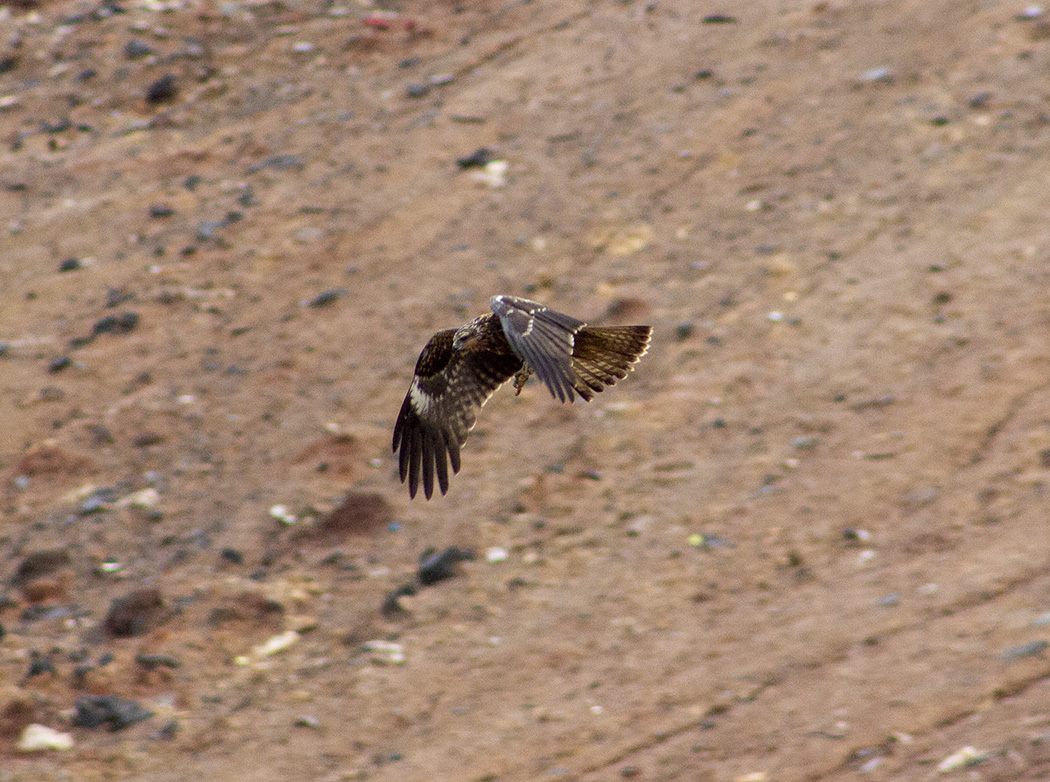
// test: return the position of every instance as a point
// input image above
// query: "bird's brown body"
(459, 369)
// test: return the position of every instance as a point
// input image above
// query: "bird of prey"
(459, 369)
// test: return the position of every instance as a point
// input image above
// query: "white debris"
(144, 498)
(967, 756)
(276, 644)
(38, 738)
(497, 554)
(283, 515)
(494, 174)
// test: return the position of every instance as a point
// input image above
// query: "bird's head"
(466, 336)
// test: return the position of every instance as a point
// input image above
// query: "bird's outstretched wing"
(448, 388)
(541, 337)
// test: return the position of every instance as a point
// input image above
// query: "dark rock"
(160, 210)
(40, 563)
(98, 500)
(327, 297)
(116, 324)
(70, 265)
(153, 661)
(279, 163)
(232, 556)
(417, 90)
(93, 711)
(391, 605)
(162, 90)
(719, 19)
(208, 229)
(134, 614)
(436, 565)
(479, 158)
(136, 49)
(39, 664)
(58, 363)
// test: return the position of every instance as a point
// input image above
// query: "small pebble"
(967, 756)
(805, 442)
(116, 324)
(497, 554)
(1030, 649)
(231, 555)
(135, 613)
(70, 265)
(276, 644)
(327, 297)
(93, 711)
(435, 566)
(151, 662)
(877, 74)
(135, 49)
(479, 158)
(157, 211)
(417, 90)
(162, 90)
(385, 652)
(58, 363)
(38, 738)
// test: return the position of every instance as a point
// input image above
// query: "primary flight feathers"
(459, 369)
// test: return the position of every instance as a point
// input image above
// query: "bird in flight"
(459, 369)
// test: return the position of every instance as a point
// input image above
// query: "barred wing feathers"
(542, 338)
(448, 388)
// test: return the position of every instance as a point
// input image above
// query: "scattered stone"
(417, 90)
(143, 498)
(152, 662)
(393, 605)
(719, 19)
(385, 652)
(279, 163)
(40, 563)
(283, 515)
(39, 664)
(39, 738)
(880, 74)
(58, 363)
(1031, 12)
(684, 330)
(135, 613)
(327, 297)
(147, 438)
(70, 265)
(967, 756)
(493, 174)
(116, 324)
(980, 100)
(136, 49)
(496, 554)
(920, 498)
(93, 711)
(249, 607)
(435, 566)
(98, 500)
(1030, 649)
(479, 158)
(278, 643)
(805, 442)
(231, 555)
(208, 229)
(307, 721)
(854, 534)
(161, 210)
(162, 90)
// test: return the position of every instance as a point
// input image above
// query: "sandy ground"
(806, 540)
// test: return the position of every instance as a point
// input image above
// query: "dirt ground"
(805, 540)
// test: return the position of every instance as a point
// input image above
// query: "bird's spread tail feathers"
(603, 355)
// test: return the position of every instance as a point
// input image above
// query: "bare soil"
(806, 540)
